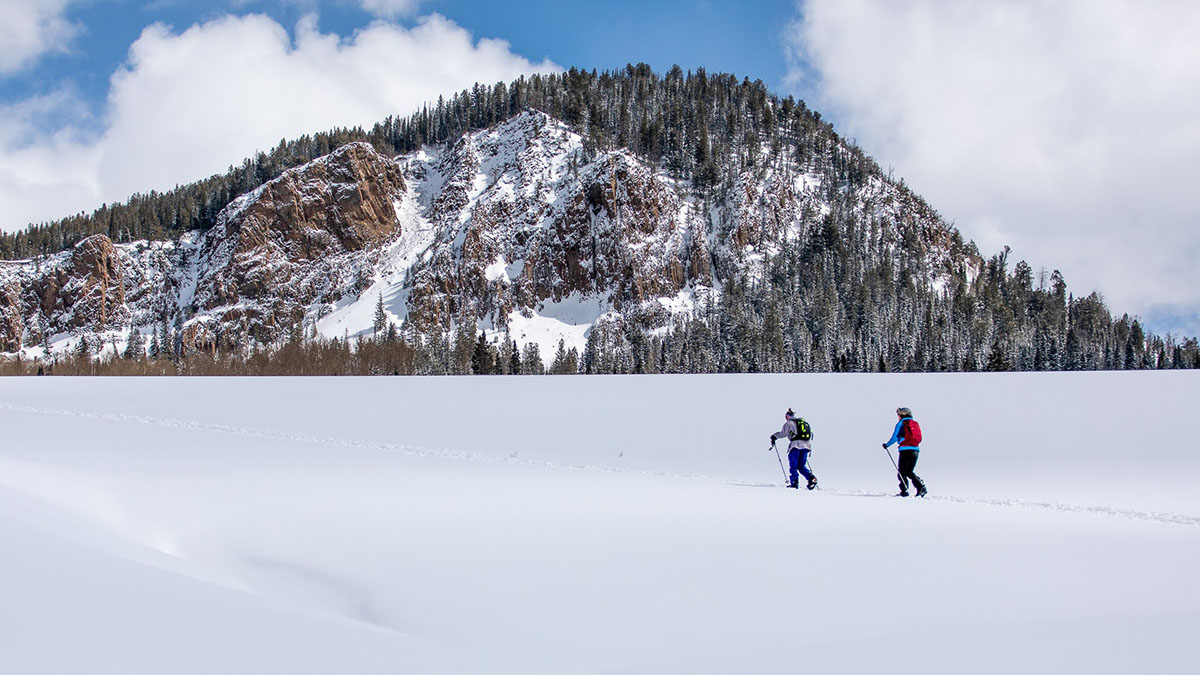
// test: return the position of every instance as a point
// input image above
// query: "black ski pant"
(908, 462)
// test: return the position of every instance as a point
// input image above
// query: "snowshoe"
(812, 483)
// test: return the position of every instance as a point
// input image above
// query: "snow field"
(595, 525)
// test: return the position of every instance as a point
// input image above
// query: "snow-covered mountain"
(516, 227)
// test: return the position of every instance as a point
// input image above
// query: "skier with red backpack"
(907, 436)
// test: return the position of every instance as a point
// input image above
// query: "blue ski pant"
(798, 461)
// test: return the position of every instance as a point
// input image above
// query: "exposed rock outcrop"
(290, 243)
(12, 320)
(93, 295)
(80, 290)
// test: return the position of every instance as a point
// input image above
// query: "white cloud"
(30, 28)
(187, 105)
(1066, 130)
(48, 179)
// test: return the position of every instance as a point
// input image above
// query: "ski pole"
(889, 452)
(903, 484)
(776, 449)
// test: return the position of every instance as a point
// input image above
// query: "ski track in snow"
(458, 455)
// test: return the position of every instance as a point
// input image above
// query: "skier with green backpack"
(799, 432)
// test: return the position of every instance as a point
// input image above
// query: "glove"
(885, 446)
(772, 441)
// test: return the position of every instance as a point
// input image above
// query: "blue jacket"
(897, 438)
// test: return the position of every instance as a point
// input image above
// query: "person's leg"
(803, 464)
(804, 470)
(907, 461)
(794, 464)
(916, 480)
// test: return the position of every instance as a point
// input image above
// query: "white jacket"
(789, 430)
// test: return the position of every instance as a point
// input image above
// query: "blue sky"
(746, 38)
(1067, 131)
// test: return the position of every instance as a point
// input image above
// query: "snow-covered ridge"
(515, 227)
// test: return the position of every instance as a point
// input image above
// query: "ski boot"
(812, 483)
(920, 485)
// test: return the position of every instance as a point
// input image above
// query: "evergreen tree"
(155, 348)
(531, 360)
(997, 360)
(560, 364)
(135, 346)
(514, 359)
(381, 318)
(483, 358)
(463, 348)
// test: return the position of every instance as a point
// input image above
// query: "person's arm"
(895, 435)
(782, 433)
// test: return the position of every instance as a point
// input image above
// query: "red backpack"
(912, 432)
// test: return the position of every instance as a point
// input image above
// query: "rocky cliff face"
(525, 221)
(506, 226)
(300, 239)
(82, 290)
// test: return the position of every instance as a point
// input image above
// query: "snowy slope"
(596, 525)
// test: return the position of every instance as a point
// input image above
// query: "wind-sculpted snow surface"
(596, 525)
